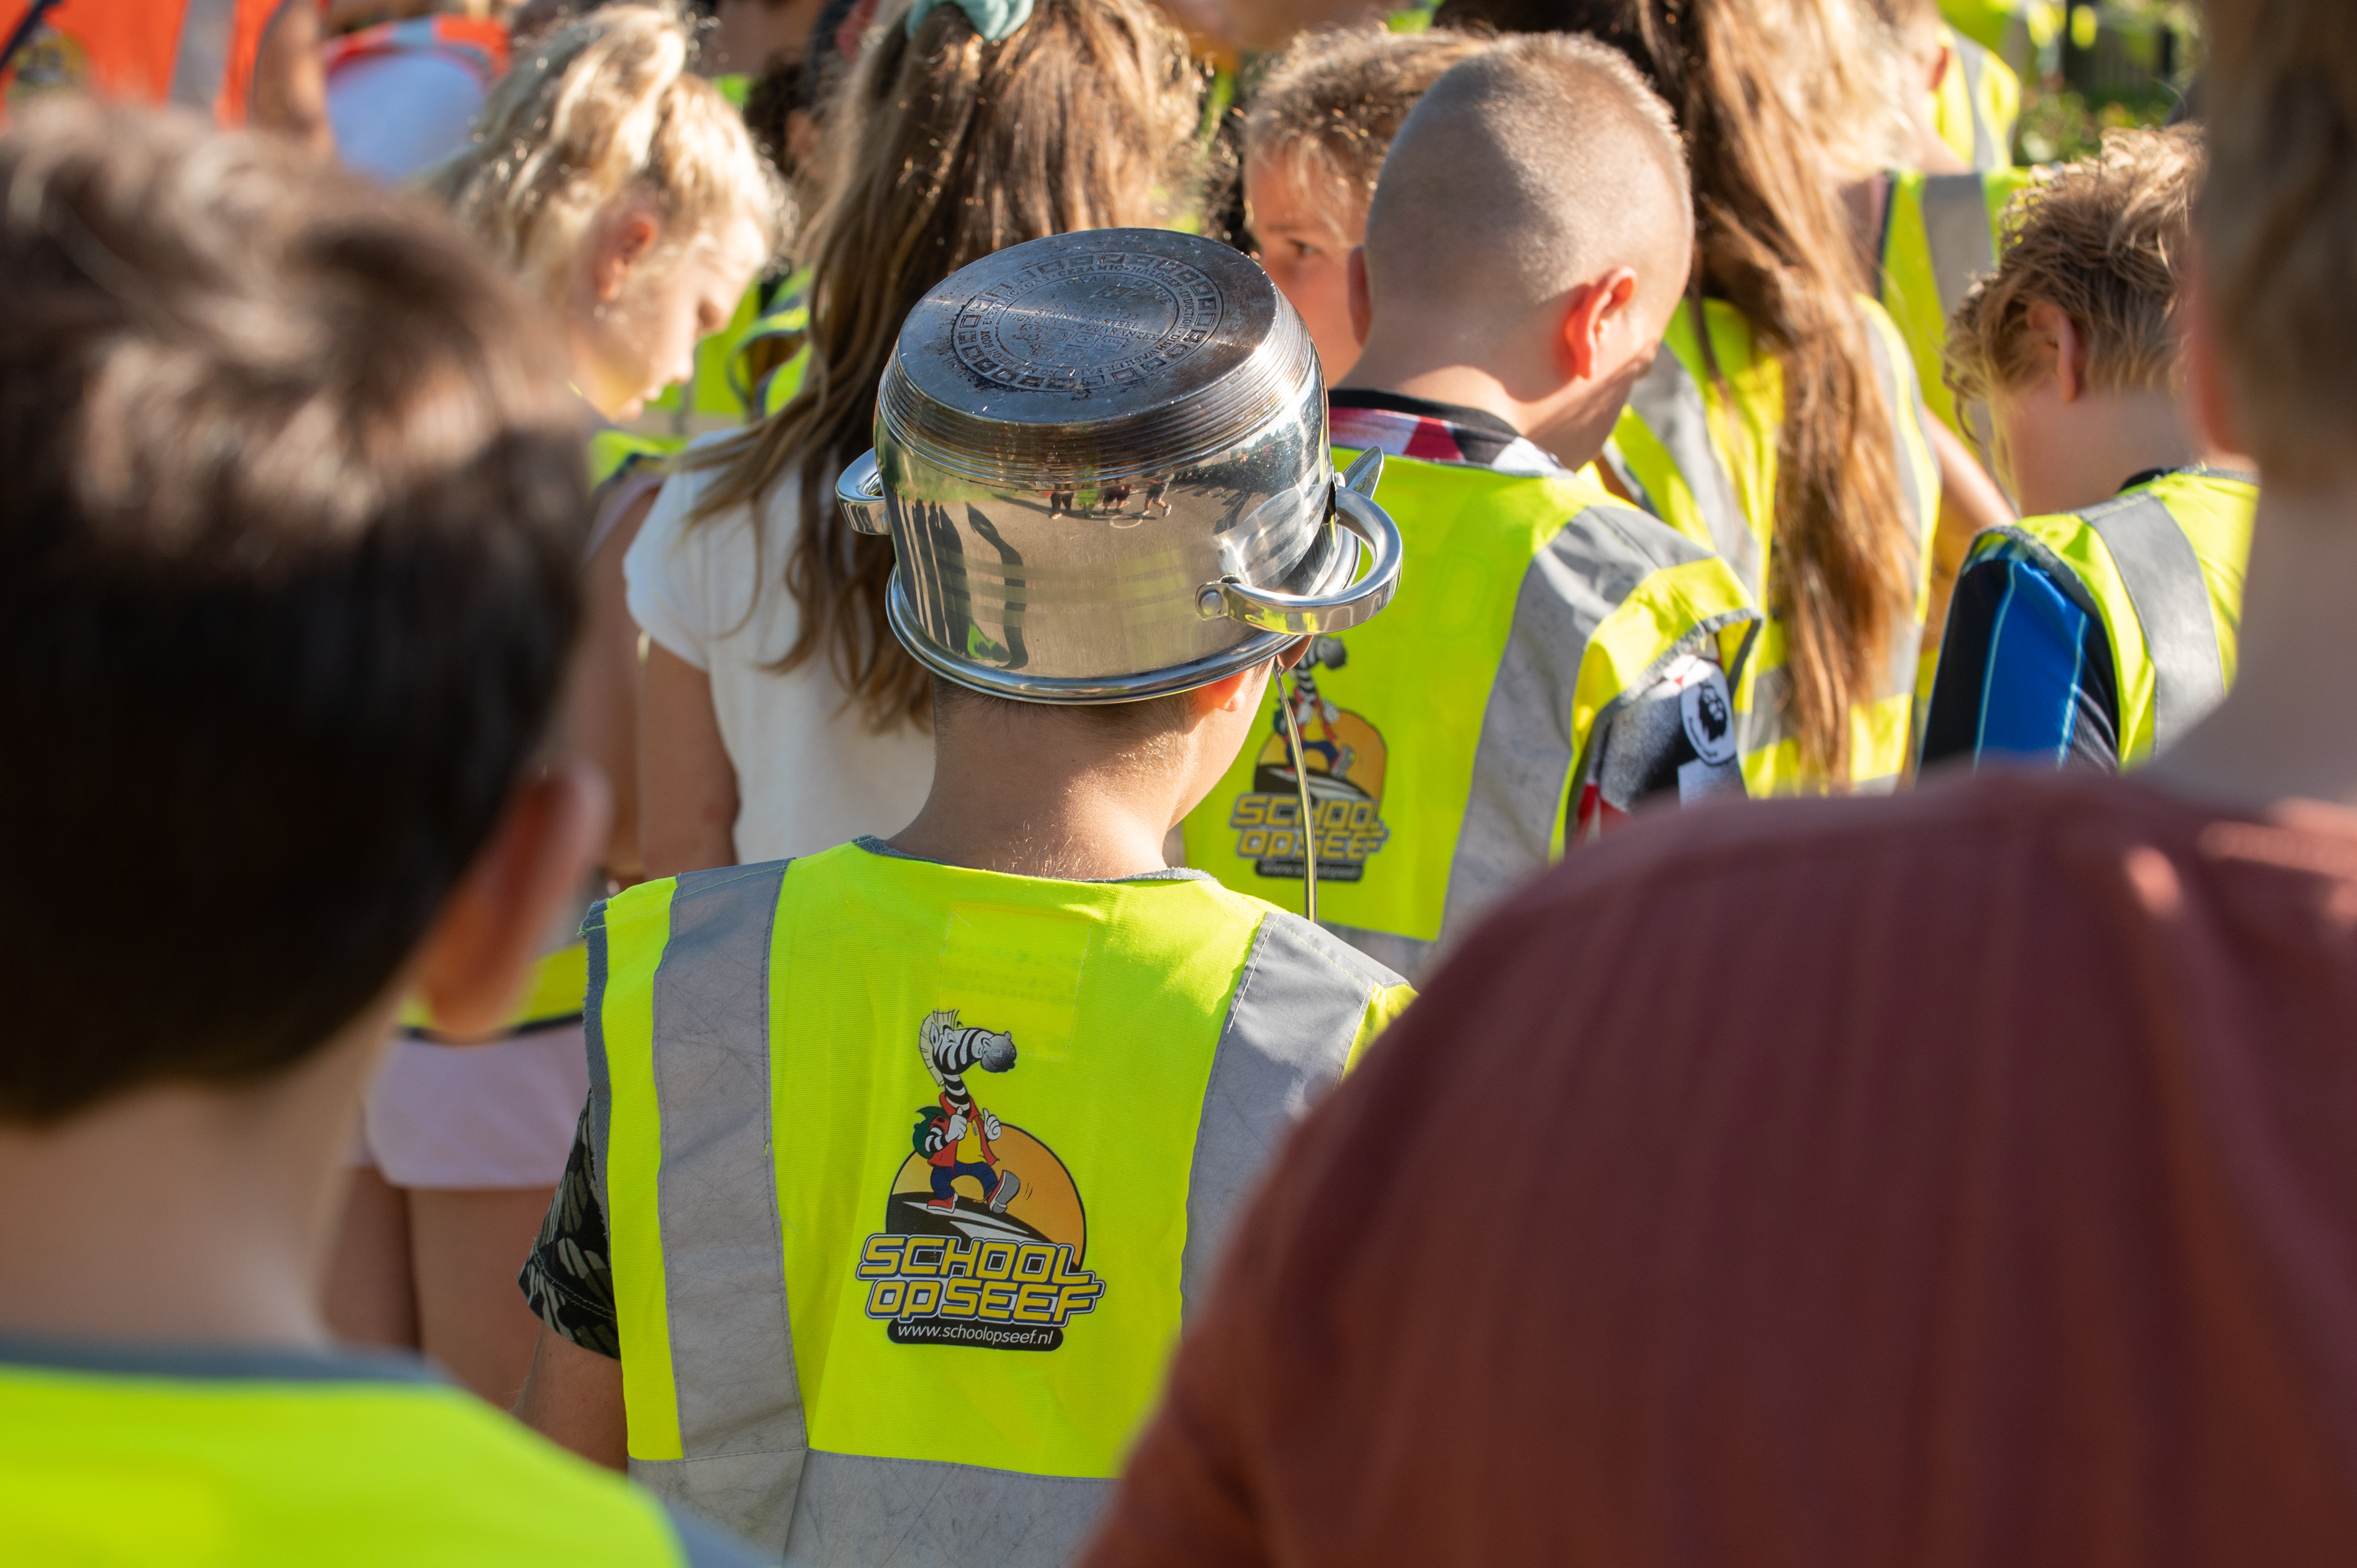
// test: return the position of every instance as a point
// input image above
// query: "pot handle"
(860, 494)
(1306, 614)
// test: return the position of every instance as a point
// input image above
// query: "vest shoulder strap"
(1669, 401)
(2163, 579)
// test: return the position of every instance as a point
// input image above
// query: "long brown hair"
(945, 148)
(1772, 240)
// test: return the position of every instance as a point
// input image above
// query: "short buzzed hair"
(1526, 170)
(2278, 225)
(2102, 240)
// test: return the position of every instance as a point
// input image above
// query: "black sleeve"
(567, 1279)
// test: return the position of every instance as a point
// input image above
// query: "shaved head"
(1541, 164)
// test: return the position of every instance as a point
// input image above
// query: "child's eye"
(1303, 250)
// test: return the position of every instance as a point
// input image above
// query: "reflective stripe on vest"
(752, 1072)
(1691, 484)
(1446, 740)
(196, 54)
(2161, 568)
(1939, 237)
(259, 1458)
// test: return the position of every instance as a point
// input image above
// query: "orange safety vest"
(482, 45)
(199, 54)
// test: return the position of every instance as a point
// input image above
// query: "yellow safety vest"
(282, 1461)
(1977, 105)
(2161, 566)
(910, 1173)
(1699, 451)
(1448, 740)
(1940, 237)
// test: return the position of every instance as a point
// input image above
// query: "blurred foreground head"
(287, 584)
(2277, 222)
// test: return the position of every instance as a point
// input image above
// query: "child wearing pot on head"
(624, 194)
(2104, 624)
(1556, 659)
(1046, 1062)
(286, 601)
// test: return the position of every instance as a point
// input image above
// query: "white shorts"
(501, 1115)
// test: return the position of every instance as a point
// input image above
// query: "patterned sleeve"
(1671, 743)
(567, 1280)
(2025, 672)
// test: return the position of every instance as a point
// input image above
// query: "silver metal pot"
(1102, 460)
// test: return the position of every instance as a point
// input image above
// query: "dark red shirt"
(1962, 1179)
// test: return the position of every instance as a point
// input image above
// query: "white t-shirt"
(810, 772)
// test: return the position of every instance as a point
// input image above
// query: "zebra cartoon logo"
(984, 1231)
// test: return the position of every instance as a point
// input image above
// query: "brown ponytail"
(1772, 241)
(945, 148)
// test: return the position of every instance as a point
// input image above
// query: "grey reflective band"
(200, 64)
(1670, 401)
(2164, 581)
(740, 1407)
(1956, 232)
(1973, 62)
(1523, 765)
(1408, 956)
(858, 1512)
(1291, 1021)
(1290, 1025)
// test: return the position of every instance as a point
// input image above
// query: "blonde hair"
(947, 147)
(606, 110)
(1334, 101)
(1534, 164)
(2101, 240)
(2278, 223)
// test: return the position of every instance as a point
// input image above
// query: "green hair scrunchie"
(995, 20)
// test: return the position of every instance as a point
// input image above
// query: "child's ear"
(2059, 340)
(629, 240)
(490, 928)
(1590, 313)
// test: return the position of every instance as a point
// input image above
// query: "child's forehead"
(1284, 186)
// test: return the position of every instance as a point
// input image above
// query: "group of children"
(1640, 306)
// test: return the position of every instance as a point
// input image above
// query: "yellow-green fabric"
(1977, 105)
(1698, 445)
(2213, 510)
(786, 320)
(831, 987)
(613, 450)
(1416, 18)
(109, 1470)
(1408, 719)
(1928, 264)
(2013, 29)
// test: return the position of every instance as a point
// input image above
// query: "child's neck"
(1439, 372)
(1040, 800)
(184, 1214)
(2288, 729)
